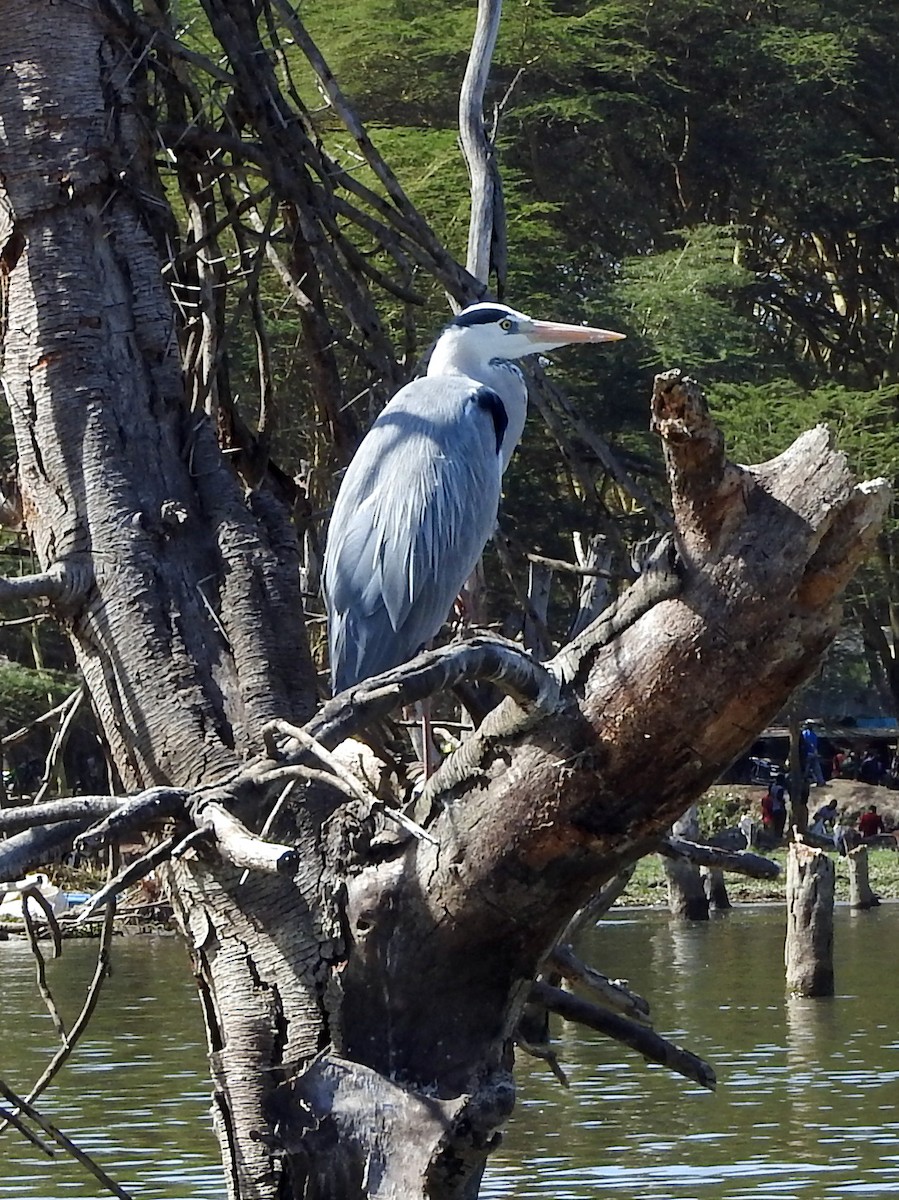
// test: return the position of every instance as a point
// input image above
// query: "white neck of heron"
(501, 375)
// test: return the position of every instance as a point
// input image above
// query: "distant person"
(809, 754)
(777, 792)
(822, 822)
(836, 765)
(870, 823)
(871, 768)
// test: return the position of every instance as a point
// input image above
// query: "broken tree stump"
(687, 899)
(686, 896)
(809, 944)
(860, 893)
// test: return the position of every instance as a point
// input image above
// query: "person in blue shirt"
(811, 759)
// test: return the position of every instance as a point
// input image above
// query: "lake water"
(807, 1106)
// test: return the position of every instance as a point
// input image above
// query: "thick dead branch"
(611, 993)
(32, 848)
(528, 683)
(65, 583)
(487, 221)
(651, 1045)
(134, 814)
(741, 862)
(29, 816)
(9, 1116)
(240, 847)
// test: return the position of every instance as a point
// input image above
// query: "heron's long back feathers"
(415, 510)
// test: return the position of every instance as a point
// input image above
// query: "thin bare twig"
(67, 1144)
(50, 715)
(101, 970)
(136, 870)
(60, 738)
(349, 783)
(32, 892)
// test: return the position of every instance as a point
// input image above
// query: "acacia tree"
(363, 969)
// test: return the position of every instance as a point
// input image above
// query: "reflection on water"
(807, 1106)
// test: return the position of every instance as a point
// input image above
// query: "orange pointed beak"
(547, 335)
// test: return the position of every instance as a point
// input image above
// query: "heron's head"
(495, 331)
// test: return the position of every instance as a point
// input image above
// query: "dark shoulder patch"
(487, 399)
(487, 314)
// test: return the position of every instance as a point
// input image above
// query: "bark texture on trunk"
(179, 587)
(809, 946)
(361, 1012)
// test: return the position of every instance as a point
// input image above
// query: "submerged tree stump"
(687, 899)
(686, 896)
(809, 944)
(860, 893)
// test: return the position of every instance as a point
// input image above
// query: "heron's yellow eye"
(505, 324)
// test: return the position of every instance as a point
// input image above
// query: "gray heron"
(420, 497)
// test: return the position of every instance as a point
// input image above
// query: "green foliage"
(761, 420)
(26, 693)
(689, 304)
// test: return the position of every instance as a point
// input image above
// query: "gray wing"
(413, 514)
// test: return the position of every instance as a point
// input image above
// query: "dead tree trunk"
(809, 945)
(860, 892)
(363, 984)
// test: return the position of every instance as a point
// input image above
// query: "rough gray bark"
(808, 951)
(362, 1012)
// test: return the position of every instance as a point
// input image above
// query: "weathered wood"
(487, 224)
(860, 892)
(647, 1042)
(610, 992)
(809, 944)
(740, 862)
